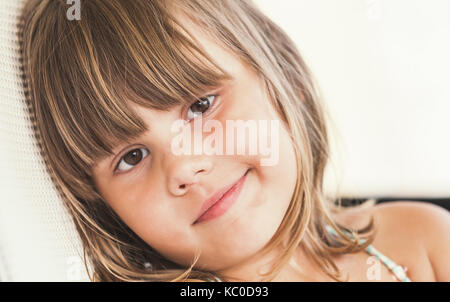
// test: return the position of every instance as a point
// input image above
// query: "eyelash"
(122, 158)
(209, 109)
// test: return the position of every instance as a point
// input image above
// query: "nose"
(185, 172)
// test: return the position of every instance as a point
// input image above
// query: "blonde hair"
(79, 76)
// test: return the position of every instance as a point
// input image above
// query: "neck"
(299, 268)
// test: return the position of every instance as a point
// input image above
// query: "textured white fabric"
(38, 240)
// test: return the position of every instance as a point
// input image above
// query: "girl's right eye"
(131, 159)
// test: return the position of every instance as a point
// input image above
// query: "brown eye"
(200, 106)
(131, 159)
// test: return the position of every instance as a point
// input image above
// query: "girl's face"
(160, 195)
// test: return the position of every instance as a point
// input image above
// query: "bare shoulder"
(423, 225)
(413, 234)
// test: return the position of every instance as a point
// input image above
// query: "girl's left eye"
(200, 106)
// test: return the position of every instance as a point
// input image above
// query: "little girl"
(105, 91)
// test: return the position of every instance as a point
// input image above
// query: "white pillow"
(38, 240)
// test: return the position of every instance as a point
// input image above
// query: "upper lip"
(216, 197)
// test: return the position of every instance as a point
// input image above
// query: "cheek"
(280, 179)
(276, 167)
(159, 226)
(146, 209)
(133, 206)
(275, 161)
(277, 181)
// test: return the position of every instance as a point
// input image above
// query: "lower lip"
(227, 200)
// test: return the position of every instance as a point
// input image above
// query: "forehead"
(222, 56)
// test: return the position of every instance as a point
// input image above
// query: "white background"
(384, 70)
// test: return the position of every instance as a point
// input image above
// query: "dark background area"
(442, 202)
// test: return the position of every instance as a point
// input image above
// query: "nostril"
(182, 186)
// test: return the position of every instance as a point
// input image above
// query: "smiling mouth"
(221, 201)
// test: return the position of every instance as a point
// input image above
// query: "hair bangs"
(139, 54)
